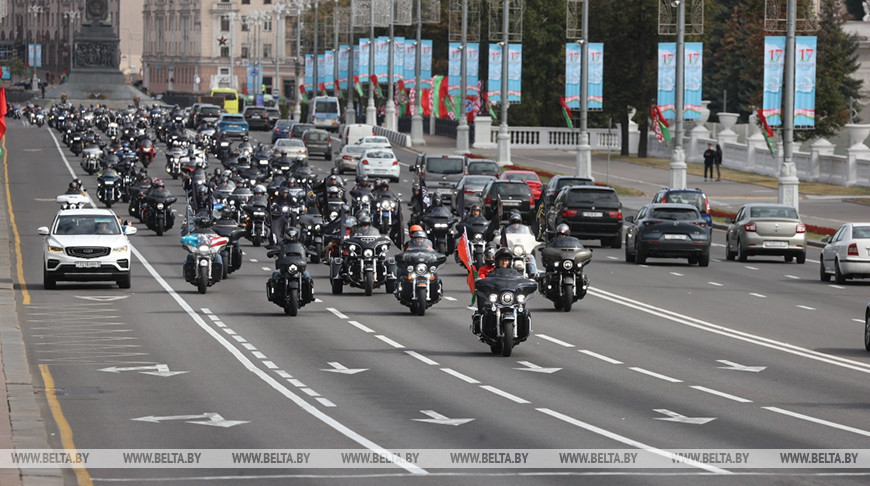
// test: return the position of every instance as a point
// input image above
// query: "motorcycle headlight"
(568, 264)
(352, 248)
(390, 204)
(521, 298)
(160, 206)
(285, 209)
(259, 214)
(368, 253)
(421, 269)
(316, 227)
(292, 269)
(518, 250)
(383, 249)
(333, 215)
(409, 269)
(203, 248)
(109, 183)
(507, 298)
(432, 269)
(440, 225)
(365, 199)
(478, 237)
(493, 298)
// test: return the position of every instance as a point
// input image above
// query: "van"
(440, 173)
(230, 97)
(352, 134)
(325, 113)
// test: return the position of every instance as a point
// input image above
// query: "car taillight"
(750, 227)
(469, 191)
(702, 224)
(347, 157)
(614, 214)
(800, 228)
(569, 213)
(365, 162)
(853, 249)
(488, 200)
(706, 206)
(395, 162)
(650, 222)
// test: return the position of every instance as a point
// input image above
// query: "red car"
(527, 176)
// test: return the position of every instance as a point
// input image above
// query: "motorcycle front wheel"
(160, 227)
(369, 283)
(421, 301)
(202, 281)
(567, 297)
(291, 308)
(507, 340)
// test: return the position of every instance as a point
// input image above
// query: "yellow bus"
(230, 96)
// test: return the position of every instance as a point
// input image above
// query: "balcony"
(223, 7)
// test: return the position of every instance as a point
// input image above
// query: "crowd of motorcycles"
(275, 200)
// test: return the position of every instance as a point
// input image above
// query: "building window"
(267, 25)
(267, 50)
(225, 51)
(246, 51)
(245, 27)
(267, 2)
(246, 2)
(225, 24)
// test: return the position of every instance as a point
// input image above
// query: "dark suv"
(592, 212)
(257, 118)
(695, 197)
(440, 173)
(318, 141)
(514, 196)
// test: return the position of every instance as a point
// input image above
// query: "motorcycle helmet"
(259, 190)
(563, 230)
(415, 188)
(419, 234)
(78, 182)
(158, 184)
(414, 228)
(333, 192)
(202, 190)
(291, 234)
(501, 255)
(284, 192)
(202, 220)
(73, 186)
(516, 218)
(489, 255)
(474, 207)
(364, 220)
(436, 202)
(291, 182)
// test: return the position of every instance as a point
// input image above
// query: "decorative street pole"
(462, 129)
(371, 111)
(417, 118)
(71, 15)
(390, 110)
(677, 173)
(504, 138)
(584, 155)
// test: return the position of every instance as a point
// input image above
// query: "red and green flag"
(303, 93)
(767, 132)
(358, 86)
(660, 125)
(463, 249)
(566, 112)
(374, 79)
(2, 112)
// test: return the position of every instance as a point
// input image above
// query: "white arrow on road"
(213, 419)
(536, 368)
(340, 368)
(437, 418)
(675, 417)
(102, 298)
(161, 370)
(739, 367)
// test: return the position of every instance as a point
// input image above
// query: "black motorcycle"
(477, 232)
(564, 281)
(256, 224)
(157, 213)
(289, 287)
(232, 252)
(438, 228)
(109, 188)
(363, 264)
(173, 161)
(503, 320)
(419, 286)
(311, 234)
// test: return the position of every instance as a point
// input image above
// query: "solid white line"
(504, 394)
(818, 421)
(259, 355)
(717, 284)
(554, 340)
(629, 442)
(310, 392)
(388, 341)
(359, 326)
(325, 402)
(600, 356)
(721, 394)
(806, 307)
(270, 365)
(336, 312)
(459, 375)
(760, 296)
(655, 375)
(421, 357)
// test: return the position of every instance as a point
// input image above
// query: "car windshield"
(513, 190)
(565, 182)
(234, 118)
(210, 111)
(445, 165)
(379, 155)
(282, 124)
(694, 198)
(318, 136)
(376, 140)
(87, 224)
(287, 142)
(773, 212)
(521, 177)
(597, 197)
(353, 150)
(326, 106)
(675, 214)
(482, 168)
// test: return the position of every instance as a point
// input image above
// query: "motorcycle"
(564, 281)
(40, 118)
(438, 228)
(157, 214)
(173, 161)
(256, 227)
(420, 287)
(109, 189)
(202, 268)
(288, 287)
(522, 243)
(476, 240)
(386, 213)
(363, 264)
(232, 252)
(91, 157)
(146, 152)
(311, 234)
(503, 320)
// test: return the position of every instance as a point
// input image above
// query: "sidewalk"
(824, 211)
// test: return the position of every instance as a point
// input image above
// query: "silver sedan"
(766, 229)
(847, 253)
(289, 146)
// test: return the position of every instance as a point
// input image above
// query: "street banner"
(472, 63)
(398, 59)
(410, 63)
(573, 67)
(667, 79)
(328, 70)
(309, 70)
(515, 73)
(363, 56)
(356, 61)
(692, 80)
(382, 56)
(805, 82)
(774, 67)
(343, 58)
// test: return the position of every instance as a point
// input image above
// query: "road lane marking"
(240, 339)
(751, 268)
(715, 284)
(554, 340)
(63, 427)
(229, 331)
(325, 402)
(677, 274)
(422, 358)
(270, 365)
(461, 376)
(451, 299)
(760, 296)
(16, 236)
(360, 326)
(249, 346)
(631, 442)
(794, 277)
(818, 421)
(297, 383)
(600, 356)
(336, 312)
(721, 394)
(655, 375)
(806, 307)
(310, 392)
(266, 269)
(504, 394)
(836, 287)
(284, 374)
(258, 355)
(389, 341)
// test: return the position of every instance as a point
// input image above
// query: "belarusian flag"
(566, 112)
(660, 125)
(463, 249)
(322, 87)
(358, 86)
(374, 79)
(304, 93)
(2, 112)
(767, 132)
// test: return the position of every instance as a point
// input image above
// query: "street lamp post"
(677, 172)
(315, 80)
(417, 119)
(336, 53)
(371, 111)
(390, 109)
(787, 190)
(462, 129)
(71, 15)
(34, 10)
(231, 16)
(350, 109)
(297, 109)
(504, 138)
(584, 156)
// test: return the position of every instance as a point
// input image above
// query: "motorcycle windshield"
(495, 285)
(429, 257)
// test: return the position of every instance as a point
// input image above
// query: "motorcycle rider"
(75, 187)
(259, 198)
(515, 223)
(564, 239)
(489, 262)
(290, 245)
(418, 239)
(202, 225)
(279, 219)
(364, 226)
(419, 203)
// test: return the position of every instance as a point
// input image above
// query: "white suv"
(86, 245)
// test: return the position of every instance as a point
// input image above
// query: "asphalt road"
(657, 357)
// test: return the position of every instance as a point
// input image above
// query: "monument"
(96, 60)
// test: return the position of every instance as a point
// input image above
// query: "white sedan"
(379, 163)
(375, 141)
(847, 253)
(289, 146)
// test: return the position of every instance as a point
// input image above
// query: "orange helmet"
(415, 227)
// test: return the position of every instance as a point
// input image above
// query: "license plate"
(775, 244)
(675, 237)
(593, 214)
(511, 203)
(88, 264)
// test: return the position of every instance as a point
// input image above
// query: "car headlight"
(568, 264)
(368, 253)
(120, 249)
(519, 250)
(55, 249)
(507, 298)
(292, 269)
(421, 269)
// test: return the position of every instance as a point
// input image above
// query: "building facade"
(195, 45)
(49, 24)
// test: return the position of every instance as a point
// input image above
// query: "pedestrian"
(718, 162)
(709, 158)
